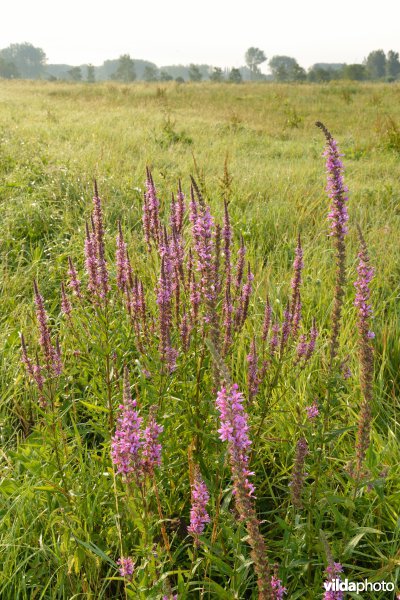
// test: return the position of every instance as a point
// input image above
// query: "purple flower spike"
(366, 351)
(198, 513)
(126, 443)
(278, 591)
(151, 453)
(98, 231)
(122, 261)
(234, 430)
(338, 217)
(50, 354)
(74, 282)
(65, 303)
(126, 567)
(333, 572)
(312, 411)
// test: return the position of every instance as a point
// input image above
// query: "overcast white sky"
(216, 32)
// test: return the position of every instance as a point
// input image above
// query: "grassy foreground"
(63, 527)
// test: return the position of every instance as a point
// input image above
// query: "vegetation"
(28, 62)
(323, 425)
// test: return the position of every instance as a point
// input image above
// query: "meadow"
(66, 514)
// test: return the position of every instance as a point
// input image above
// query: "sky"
(216, 32)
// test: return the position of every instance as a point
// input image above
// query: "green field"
(257, 146)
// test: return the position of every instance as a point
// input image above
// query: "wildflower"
(234, 430)
(273, 345)
(49, 352)
(332, 572)
(244, 300)
(227, 311)
(338, 217)
(151, 450)
(301, 348)
(164, 296)
(312, 411)
(151, 206)
(179, 208)
(98, 231)
(198, 513)
(295, 307)
(286, 327)
(227, 239)
(74, 282)
(65, 303)
(126, 441)
(298, 474)
(278, 591)
(126, 566)
(121, 261)
(366, 352)
(91, 262)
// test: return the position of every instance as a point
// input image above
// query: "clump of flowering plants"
(137, 380)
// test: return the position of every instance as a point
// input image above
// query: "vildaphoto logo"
(344, 585)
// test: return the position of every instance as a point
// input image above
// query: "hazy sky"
(216, 32)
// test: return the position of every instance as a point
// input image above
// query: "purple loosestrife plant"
(126, 567)
(65, 302)
(34, 370)
(338, 216)
(234, 430)
(91, 262)
(126, 442)
(151, 450)
(121, 260)
(199, 516)
(52, 355)
(253, 379)
(366, 351)
(312, 411)
(332, 573)
(227, 241)
(278, 590)
(298, 475)
(98, 231)
(295, 306)
(151, 209)
(74, 282)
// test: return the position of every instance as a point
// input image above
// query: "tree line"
(26, 61)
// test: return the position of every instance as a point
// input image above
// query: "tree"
(164, 76)
(356, 72)
(376, 64)
(126, 69)
(90, 74)
(235, 76)
(150, 73)
(28, 60)
(318, 75)
(195, 73)
(298, 73)
(217, 74)
(392, 64)
(75, 73)
(253, 58)
(8, 70)
(286, 68)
